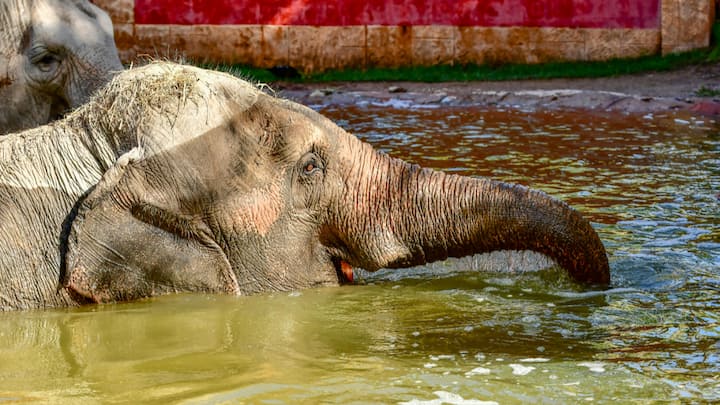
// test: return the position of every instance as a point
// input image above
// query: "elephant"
(178, 179)
(53, 55)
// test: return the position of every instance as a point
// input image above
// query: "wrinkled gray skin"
(179, 179)
(53, 55)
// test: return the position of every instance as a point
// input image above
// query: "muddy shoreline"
(674, 91)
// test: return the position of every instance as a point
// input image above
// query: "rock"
(448, 99)
(684, 100)
(706, 107)
(397, 89)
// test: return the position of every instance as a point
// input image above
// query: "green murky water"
(650, 184)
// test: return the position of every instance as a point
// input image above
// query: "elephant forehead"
(63, 20)
(300, 135)
(318, 135)
(47, 19)
(102, 18)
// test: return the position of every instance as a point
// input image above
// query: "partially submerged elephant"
(53, 55)
(175, 178)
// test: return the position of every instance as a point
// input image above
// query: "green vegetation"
(495, 73)
(707, 92)
(714, 54)
(517, 72)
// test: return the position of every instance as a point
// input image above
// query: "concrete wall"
(686, 24)
(313, 35)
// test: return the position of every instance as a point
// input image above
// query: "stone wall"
(368, 39)
(686, 24)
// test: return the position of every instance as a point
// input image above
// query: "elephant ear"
(122, 248)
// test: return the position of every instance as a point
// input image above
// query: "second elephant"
(53, 55)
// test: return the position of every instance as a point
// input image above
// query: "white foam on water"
(442, 357)
(535, 360)
(393, 103)
(403, 104)
(594, 366)
(590, 294)
(444, 397)
(478, 371)
(519, 369)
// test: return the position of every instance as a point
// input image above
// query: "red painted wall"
(488, 13)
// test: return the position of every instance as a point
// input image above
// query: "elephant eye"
(46, 63)
(312, 164)
(45, 60)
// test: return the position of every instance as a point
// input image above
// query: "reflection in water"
(440, 333)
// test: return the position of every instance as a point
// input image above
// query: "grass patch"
(515, 72)
(444, 73)
(704, 91)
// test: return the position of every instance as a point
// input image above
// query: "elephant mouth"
(344, 271)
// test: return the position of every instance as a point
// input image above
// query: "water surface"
(442, 333)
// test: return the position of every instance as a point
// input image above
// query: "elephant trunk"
(410, 216)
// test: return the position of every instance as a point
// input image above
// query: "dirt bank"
(641, 93)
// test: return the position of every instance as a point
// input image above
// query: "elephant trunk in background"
(403, 215)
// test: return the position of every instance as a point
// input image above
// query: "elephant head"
(53, 55)
(277, 197)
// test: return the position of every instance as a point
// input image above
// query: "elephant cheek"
(26, 108)
(256, 212)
